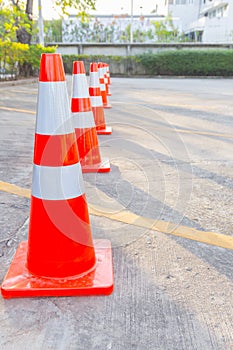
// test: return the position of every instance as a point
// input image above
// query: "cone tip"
(93, 67)
(78, 67)
(51, 67)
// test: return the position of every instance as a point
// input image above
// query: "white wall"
(218, 30)
(186, 13)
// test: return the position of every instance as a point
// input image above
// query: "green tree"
(165, 30)
(126, 33)
(21, 16)
(82, 6)
(53, 30)
(14, 23)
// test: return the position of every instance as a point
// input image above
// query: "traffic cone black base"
(19, 282)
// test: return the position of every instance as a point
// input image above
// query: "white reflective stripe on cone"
(102, 87)
(101, 72)
(53, 113)
(57, 183)
(83, 120)
(96, 101)
(94, 79)
(80, 87)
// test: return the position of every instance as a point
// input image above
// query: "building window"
(180, 2)
(212, 14)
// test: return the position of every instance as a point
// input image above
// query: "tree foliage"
(16, 16)
(165, 31)
(14, 22)
(19, 59)
(144, 30)
(53, 31)
(81, 6)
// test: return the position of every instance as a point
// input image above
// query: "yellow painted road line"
(19, 191)
(127, 217)
(130, 218)
(17, 110)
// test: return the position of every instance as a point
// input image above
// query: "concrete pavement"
(171, 162)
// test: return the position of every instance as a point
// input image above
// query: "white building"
(184, 11)
(208, 21)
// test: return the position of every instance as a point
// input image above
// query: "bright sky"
(109, 7)
(124, 6)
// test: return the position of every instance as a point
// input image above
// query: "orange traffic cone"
(103, 86)
(59, 258)
(84, 123)
(96, 101)
(107, 79)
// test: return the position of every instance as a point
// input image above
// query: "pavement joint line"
(204, 133)
(197, 107)
(127, 217)
(29, 92)
(17, 110)
(194, 132)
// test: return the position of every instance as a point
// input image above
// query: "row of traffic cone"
(98, 94)
(60, 257)
(87, 106)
